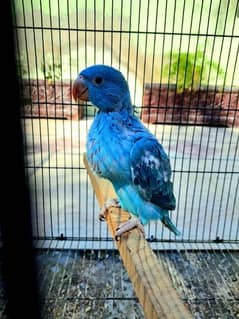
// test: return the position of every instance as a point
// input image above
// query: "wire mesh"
(167, 50)
(71, 281)
(77, 278)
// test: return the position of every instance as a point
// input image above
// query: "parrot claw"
(127, 226)
(104, 210)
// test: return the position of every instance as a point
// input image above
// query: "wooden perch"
(151, 282)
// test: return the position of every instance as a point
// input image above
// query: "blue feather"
(121, 149)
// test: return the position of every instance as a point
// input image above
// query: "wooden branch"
(151, 282)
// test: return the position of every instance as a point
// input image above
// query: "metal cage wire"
(159, 46)
(56, 39)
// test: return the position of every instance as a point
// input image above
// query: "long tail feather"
(169, 224)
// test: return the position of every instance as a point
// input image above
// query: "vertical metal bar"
(40, 132)
(44, 195)
(145, 59)
(71, 133)
(95, 30)
(151, 85)
(103, 61)
(171, 131)
(168, 85)
(79, 130)
(162, 63)
(64, 227)
(50, 168)
(120, 34)
(137, 50)
(132, 49)
(234, 162)
(32, 139)
(87, 128)
(36, 195)
(154, 53)
(95, 51)
(229, 148)
(56, 133)
(179, 128)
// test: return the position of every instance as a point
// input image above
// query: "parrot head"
(103, 86)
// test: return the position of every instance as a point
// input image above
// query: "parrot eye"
(98, 80)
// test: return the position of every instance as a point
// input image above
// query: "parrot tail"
(168, 223)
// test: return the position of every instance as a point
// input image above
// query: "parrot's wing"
(151, 172)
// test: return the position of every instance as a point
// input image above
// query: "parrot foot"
(104, 210)
(127, 226)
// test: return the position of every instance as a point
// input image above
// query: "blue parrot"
(121, 149)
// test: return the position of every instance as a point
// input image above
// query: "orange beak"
(80, 91)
